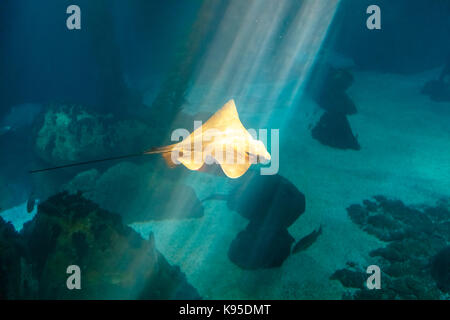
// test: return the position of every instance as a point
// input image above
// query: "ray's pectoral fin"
(235, 170)
(238, 167)
(191, 164)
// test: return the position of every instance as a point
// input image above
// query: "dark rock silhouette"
(271, 200)
(272, 204)
(337, 102)
(440, 269)
(260, 247)
(14, 272)
(333, 129)
(115, 262)
(331, 95)
(329, 91)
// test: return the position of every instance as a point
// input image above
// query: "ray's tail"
(158, 150)
(87, 162)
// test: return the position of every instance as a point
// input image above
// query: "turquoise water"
(355, 121)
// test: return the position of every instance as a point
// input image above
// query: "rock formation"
(440, 269)
(115, 262)
(333, 128)
(272, 204)
(331, 95)
(137, 193)
(69, 134)
(415, 237)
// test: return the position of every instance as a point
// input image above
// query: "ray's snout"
(261, 152)
(266, 156)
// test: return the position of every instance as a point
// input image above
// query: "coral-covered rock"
(115, 262)
(414, 237)
(73, 133)
(70, 133)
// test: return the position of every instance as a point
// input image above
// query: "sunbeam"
(261, 55)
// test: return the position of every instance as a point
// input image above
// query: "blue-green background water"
(139, 69)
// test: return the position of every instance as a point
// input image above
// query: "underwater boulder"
(137, 193)
(160, 204)
(440, 269)
(331, 95)
(271, 200)
(256, 248)
(115, 262)
(14, 160)
(337, 102)
(272, 204)
(333, 130)
(71, 133)
(15, 279)
(339, 79)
